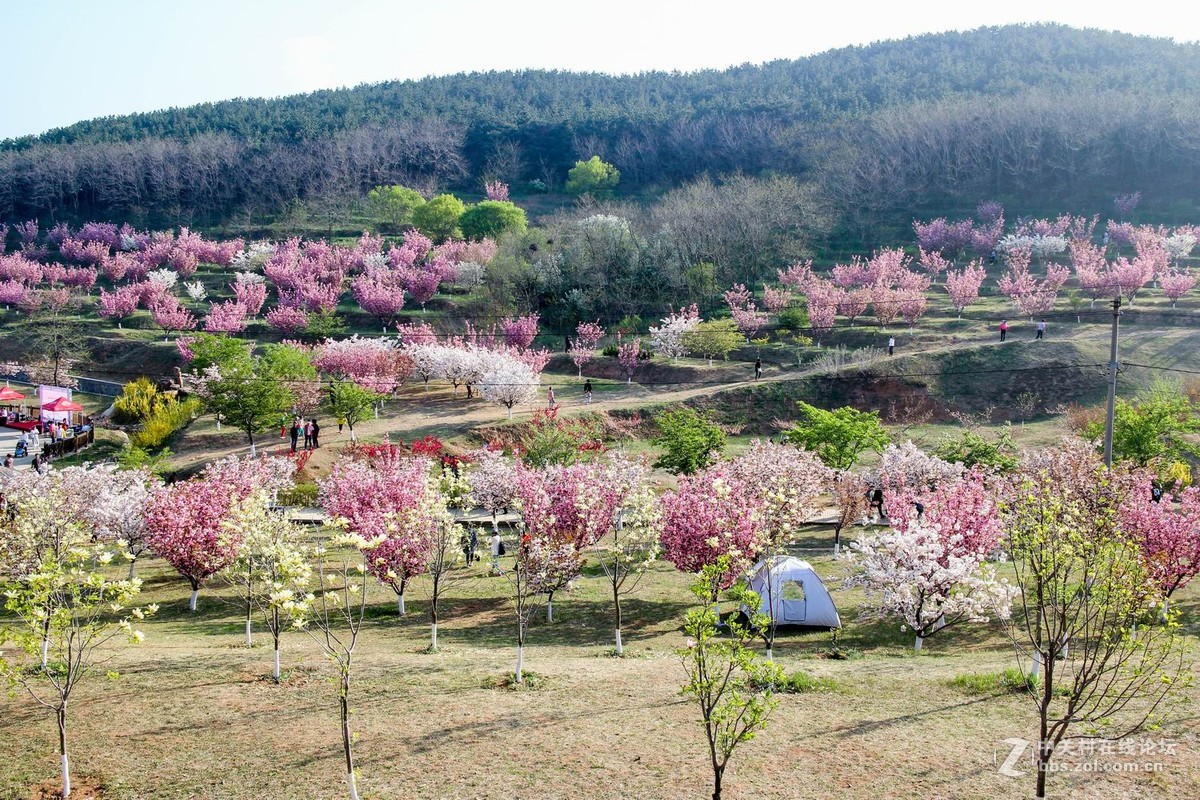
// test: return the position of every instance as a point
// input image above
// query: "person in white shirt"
(891, 345)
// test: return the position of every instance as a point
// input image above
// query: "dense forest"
(1037, 116)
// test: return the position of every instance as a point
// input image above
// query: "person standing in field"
(1003, 329)
(757, 368)
(316, 430)
(891, 345)
(550, 397)
(1041, 330)
(587, 392)
(295, 432)
(307, 435)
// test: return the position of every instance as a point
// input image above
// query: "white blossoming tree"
(509, 383)
(669, 337)
(919, 576)
(632, 546)
(63, 605)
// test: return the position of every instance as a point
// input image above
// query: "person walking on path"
(587, 392)
(1003, 329)
(316, 431)
(757, 368)
(550, 398)
(497, 551)
(307, 435)
(295, 433)
(1041, 330)
(891, 345)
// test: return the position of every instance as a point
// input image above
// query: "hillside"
(1047, 113)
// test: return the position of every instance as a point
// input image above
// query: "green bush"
(794, 318)
(163, 424)
(139, 401)
(303, 494)
(690, 441)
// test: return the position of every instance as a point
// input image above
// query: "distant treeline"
(883, 132)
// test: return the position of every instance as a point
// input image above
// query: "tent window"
(793, 590)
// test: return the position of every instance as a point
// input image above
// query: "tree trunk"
(520, 664)
(275, 673)
(920, 641)
(249, 639)
(192, 602)
(62, 749)
(617, 607)
(400, 605)
(346, 737)
(510, 412)
(550, 607)
(132, 564)
(770, 653)
(718, 772)
(434, 645)
(251, 435)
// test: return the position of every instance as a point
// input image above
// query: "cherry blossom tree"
(852, 303)
(171, 317)
(629, 356)
(822, 308)
(287, 320)
(668, 338)
(492, 480)
(509, 383)
(885, 304)
(963, 285)
(798, 276)
(226, 317)
(849, 493)
(250, 292)
(184, 527)
(776, 300)
(916, 575)
(1176, 283)
(382, 300)
(1168, 535)
(496, 190)
(933, 263)
(583, 348)
(711, 515)
(519, 331)
(786, 482)
(633, 543)
(118, 304)
(421, 284)
(63, 603)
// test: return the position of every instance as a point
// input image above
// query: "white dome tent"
(792, 594)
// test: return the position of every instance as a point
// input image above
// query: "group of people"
(311, 430)
(1039, 334)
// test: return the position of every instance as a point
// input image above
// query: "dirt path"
(436, 411)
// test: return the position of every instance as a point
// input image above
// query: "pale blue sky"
(67, 60)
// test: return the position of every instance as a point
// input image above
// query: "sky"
(68, 60)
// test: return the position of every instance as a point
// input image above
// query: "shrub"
(162, 425)
(795, 318)
(139, 401)
(690, 441)
(302, 494)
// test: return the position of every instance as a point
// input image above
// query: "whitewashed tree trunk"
(400, 605)
(275, 673)
(917, 646)
(218, 424)
(132, 564)
(249, 637)
(253, 453)
(520, 663)
(510, 412)
(770, 654)
(549, 611)
(353, 785)
(620, 646)
(435, 644)
(1035, 668)
(45, 651)
(66, 776)
(192, 602)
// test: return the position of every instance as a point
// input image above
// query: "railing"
(64, 447)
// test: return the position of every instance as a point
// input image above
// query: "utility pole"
(1112, 384)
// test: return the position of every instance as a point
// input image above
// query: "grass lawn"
(194, 714)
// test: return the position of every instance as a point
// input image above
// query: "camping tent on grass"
(793, 594)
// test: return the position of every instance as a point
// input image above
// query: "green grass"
(1008, 680)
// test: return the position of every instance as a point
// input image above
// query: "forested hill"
(849, 80)
(951, 103)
